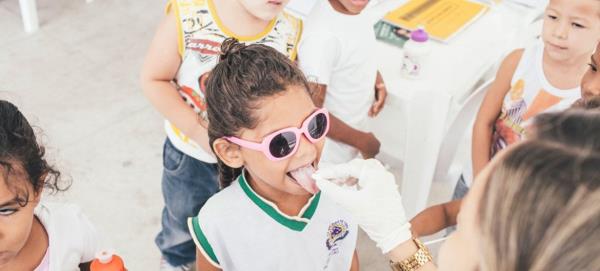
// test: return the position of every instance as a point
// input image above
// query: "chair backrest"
(460, 125)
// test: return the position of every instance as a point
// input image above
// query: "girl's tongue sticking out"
(303, 178)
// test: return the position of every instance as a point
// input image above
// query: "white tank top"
(201, 33)
(531, 94)
(238, 229)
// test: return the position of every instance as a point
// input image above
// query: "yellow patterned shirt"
(200, 34)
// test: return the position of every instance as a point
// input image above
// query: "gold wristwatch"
(414, 262)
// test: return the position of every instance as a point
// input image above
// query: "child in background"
(565, 126)
(581, 31)
(268, 137)
(184, 51)
(36, 235)
(590, 84)
(542, 78)
(336, 56)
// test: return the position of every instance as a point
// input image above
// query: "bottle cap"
(107, 260)
(105, 257)
(419, 35)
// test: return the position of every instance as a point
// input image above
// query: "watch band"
(414, 262)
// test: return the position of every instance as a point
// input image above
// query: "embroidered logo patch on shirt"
(337, 231)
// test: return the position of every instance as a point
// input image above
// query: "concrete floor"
(77, 81)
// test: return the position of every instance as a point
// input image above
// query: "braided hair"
(244, 75)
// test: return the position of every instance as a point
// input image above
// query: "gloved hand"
(374, 200)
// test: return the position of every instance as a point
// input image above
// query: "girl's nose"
(306, 148)
(562, 30)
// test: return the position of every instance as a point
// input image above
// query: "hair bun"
(230, 46)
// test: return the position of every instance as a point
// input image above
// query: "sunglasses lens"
(317, 126)
(282, 144)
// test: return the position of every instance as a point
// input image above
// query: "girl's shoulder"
(514, 57)
(54, 214)
(529, 59)
(229, 198)
(524, 58)
(510, 66)
(69, 232)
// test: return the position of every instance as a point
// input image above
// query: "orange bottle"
(107, 261)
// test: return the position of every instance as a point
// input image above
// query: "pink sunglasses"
(282, 144)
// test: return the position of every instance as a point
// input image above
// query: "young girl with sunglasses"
(268, 137)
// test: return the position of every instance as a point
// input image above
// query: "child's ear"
(38, 194)
(228, 152)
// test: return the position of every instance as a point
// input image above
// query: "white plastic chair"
(460, 126)
(30, 16)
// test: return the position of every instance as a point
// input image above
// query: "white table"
(412, 125)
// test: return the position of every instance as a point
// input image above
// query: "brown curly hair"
(20, 149)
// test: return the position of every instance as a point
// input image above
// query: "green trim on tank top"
(296, 223)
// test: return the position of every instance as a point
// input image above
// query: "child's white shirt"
(238, 230)
(72, 239)
(337, 50)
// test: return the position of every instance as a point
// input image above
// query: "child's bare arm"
(366, 143)
(428, 221)
(355, 265)
(203, 264)
(490, 110)
(160, 67)
(435, 218)
(451, 210)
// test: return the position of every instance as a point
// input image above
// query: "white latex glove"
(374, 201)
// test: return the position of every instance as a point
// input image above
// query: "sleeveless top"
(531, 94)
(200, 34)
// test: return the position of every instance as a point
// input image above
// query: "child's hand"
(368, 145)
(373, 201)
(380, 96)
